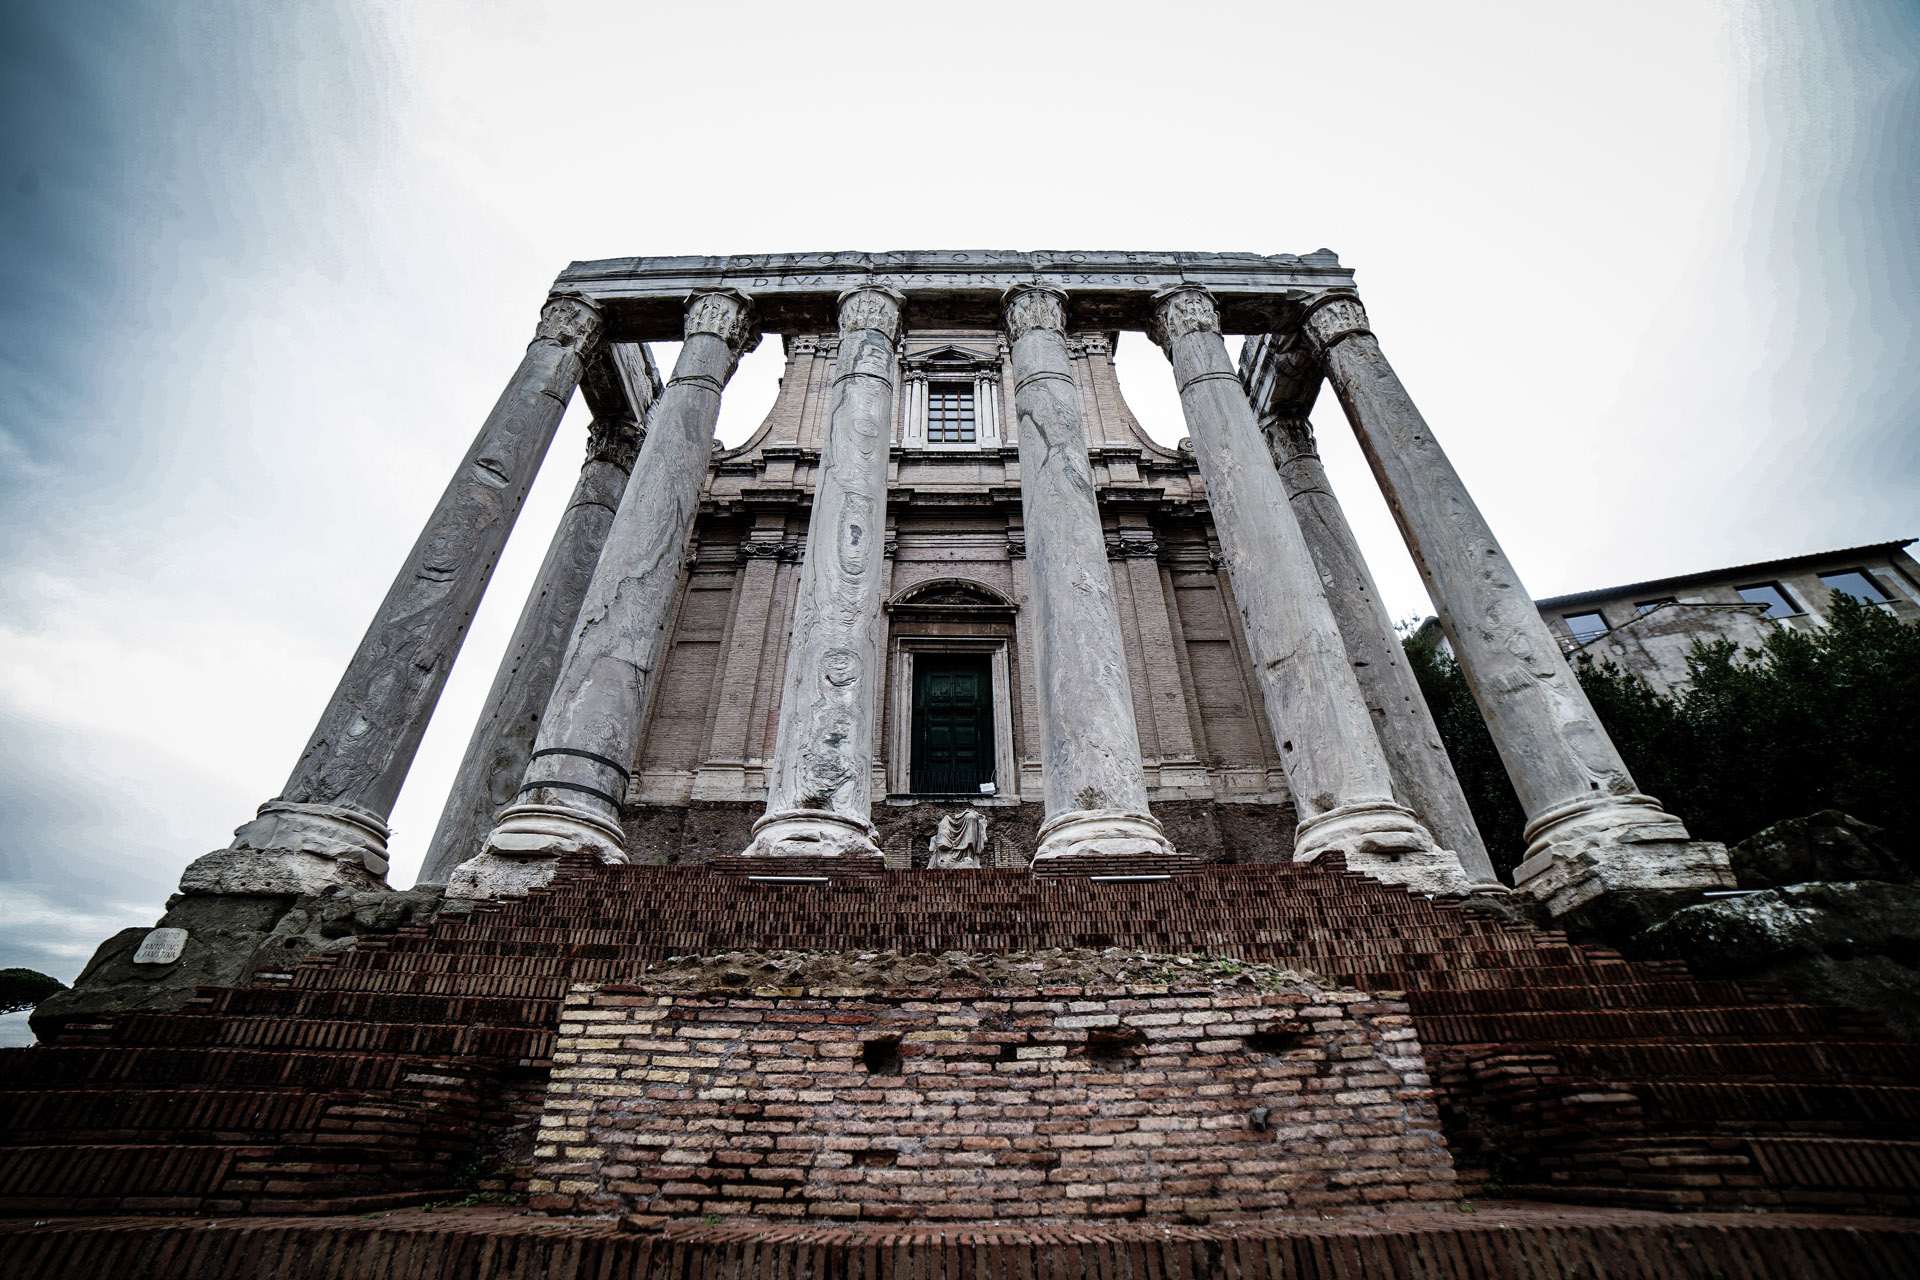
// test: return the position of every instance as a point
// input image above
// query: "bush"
(25, 988)
(1807, 721)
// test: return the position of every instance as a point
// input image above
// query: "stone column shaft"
(569, 801)
(1589, 829)
(1096, 792)
(1423, 776)
(820, 780)
(1335, 768)
(502, 741)
(328, 826)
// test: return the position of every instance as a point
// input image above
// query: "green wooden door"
(952, 723)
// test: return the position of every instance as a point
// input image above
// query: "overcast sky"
(1649, 269)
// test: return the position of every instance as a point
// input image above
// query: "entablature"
(644, 298)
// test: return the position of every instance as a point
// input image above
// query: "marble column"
(1341, 785)
(1096, 792)
(820, 780)
(1423, 774)
(620, 386)
(569, 801)
(1589, 829)
(328, 825)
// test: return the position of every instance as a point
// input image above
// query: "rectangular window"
(1586, 626)
(1648, 606)
(950, 413)
(1772, 595)
(1855, 583)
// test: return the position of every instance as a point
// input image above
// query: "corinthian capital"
(616, 440)
(1333, 319)
(726, 315)
(871, 308)
(571, 320)
(1033, 306)
(1181, 310)
(1289, 437)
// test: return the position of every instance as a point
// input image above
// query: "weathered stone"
(1828, 845)
(1840, 942)
(1283, 385)
(328, 826)
(959, 843)
(1328, 746)
(570, 798)
(620, 386)
(1589, 829)
(820, 781)
(1096, 792)
(228, 938)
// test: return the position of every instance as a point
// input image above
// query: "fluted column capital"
(871, 307)
(1027, 307)
(571, 320)
(726, 314)
(1181, 310)
(1332, 320)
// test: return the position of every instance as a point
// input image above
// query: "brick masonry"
(955, 1104)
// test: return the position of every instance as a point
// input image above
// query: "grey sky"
(1649, 268)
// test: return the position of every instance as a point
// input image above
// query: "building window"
(1771, 594)
(1855, 583)
(1586, 626)
(1648, 606)
(950, 413)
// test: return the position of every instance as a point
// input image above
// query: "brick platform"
(1056, 1104)
(1497, 1240)
(373, 1076)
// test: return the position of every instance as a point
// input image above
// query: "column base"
(524, 849)
(812, 833)
(294, 849)
(1615, 844)
(1101, 833)
(1384, 840)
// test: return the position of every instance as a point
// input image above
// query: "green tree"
(1808, 720)
(25, 988)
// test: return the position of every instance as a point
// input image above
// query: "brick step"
(1869, 1062)
(281, 1032)
(28, 1117)
(182, 1178)
(1503, 1239)
(379, 1007)
(77, 1065)
(1784, 1108)
(1653, 1023)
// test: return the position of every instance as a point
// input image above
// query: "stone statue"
(959, 842)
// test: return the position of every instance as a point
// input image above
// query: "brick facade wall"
(972, 1104)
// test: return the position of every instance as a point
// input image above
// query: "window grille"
(950, 413)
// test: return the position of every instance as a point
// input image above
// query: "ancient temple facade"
(950, 566)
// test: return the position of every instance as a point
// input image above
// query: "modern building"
(1649, 628)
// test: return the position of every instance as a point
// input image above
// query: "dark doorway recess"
(952, 723)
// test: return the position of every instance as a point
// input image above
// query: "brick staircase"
(371, 1077)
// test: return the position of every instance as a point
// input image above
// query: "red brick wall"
(1056, 1103)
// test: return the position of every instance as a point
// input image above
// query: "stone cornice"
(644, 298)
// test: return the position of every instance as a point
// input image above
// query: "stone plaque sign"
(161, 946)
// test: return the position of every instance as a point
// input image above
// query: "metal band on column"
(1589, 828)
(567, 801)
(1096, 791)
(820, 780)
(1335, 769)
(328, 826)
